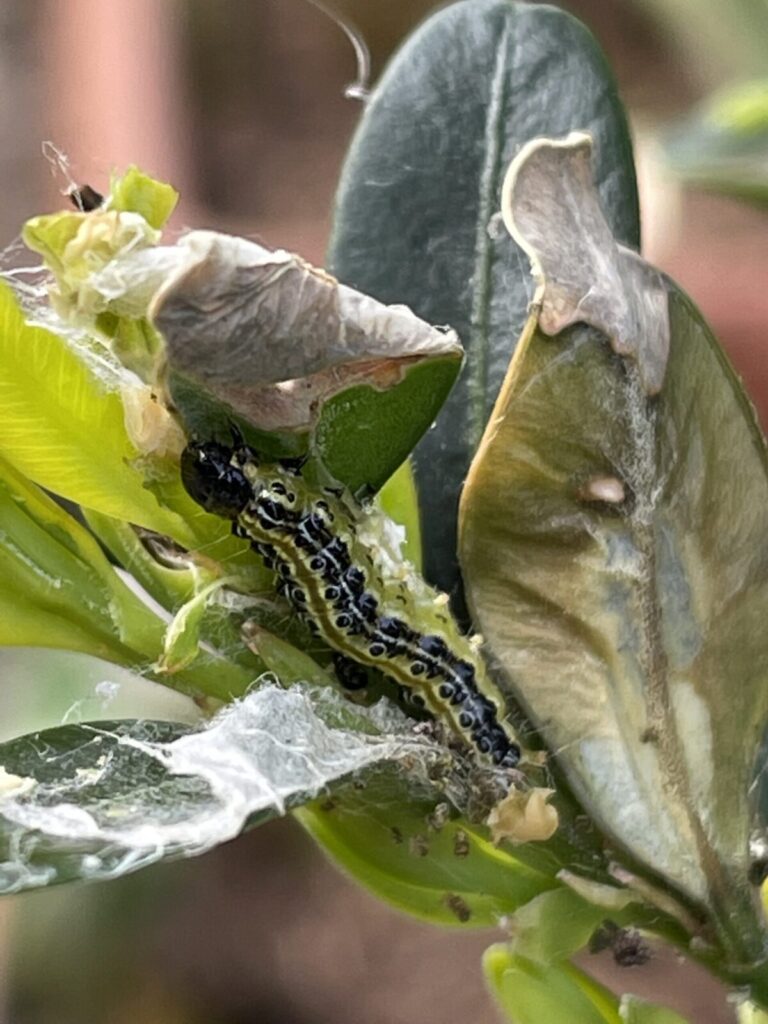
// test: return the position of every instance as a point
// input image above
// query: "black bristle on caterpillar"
(351, 600)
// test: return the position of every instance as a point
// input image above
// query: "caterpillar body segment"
(335, 566)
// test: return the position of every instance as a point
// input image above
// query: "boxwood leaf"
(96, 800)
(62, 422)
(137, 192)
(529, 993)
(59, 590)
(396, 843)
(554, 926)
(637, 1011)
(614, 545)
(415, 219)
(298, 358)
(44, 688)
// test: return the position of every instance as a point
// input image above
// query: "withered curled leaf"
(629, 619)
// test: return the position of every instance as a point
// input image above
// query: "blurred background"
(240, 103)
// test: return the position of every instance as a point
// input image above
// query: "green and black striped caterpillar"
(369, 611)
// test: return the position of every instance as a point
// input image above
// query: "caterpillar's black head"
(211, 479)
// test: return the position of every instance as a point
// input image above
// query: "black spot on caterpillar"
(371, 612)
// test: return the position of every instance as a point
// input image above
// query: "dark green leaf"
(415, 217)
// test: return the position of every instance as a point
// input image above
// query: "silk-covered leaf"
(96, 800)
(300, 361)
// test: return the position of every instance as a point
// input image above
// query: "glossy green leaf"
(365, 433)
(43, 689)
(398, 499)
(137, 192)
(638, 1011)
(615, 551)
(392, 841)
(415, 219)
(62, 423)
(531, 994)
(555, 926)
(723, 146)
(60, 591)
(58, 588)
(286, 662)
(63, 414)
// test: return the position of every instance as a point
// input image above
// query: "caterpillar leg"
(351, 675)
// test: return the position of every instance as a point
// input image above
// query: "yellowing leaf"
(62, 424)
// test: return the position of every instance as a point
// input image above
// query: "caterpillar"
(362, 604)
